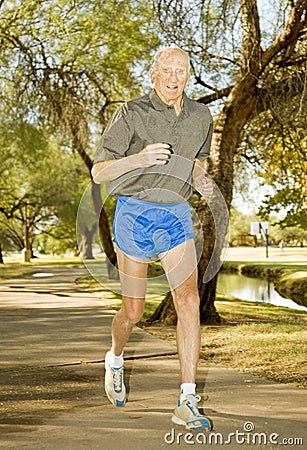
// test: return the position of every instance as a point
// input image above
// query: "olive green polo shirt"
(148, 120)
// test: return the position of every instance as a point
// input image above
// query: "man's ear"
(152, 76)
(188, 80)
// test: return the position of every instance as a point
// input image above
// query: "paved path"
(53, 340)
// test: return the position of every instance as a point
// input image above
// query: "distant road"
(289, 254)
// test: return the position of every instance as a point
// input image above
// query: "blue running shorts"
(143, 229)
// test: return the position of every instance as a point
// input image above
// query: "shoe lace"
(192, 401)
(117, 379)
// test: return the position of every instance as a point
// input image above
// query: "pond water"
(253, 289)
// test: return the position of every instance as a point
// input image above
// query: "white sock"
(185, 389)
(116, 361)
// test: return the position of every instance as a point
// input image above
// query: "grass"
(262, 269)
(263, 340)
(271, 350)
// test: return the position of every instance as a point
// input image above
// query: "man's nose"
(173, 76)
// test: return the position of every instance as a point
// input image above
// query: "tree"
(240, 228)
(284, 167)
(275, 146)
(233, 52)
(74, 88)
(290, 235)
(37, 184)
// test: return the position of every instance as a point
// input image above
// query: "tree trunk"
(165, 312)
(104, 232)
(213, 215)
(78, 130)
(26, 238)
(27, 246)
(1, 256)
(208, 312)
(238, 108)
(87, 241)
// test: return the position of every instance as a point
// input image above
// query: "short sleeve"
(116, 138)
(205, 149)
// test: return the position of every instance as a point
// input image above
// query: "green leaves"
(38, 180)
(65, 66)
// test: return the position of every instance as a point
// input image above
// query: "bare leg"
(180, 266)
(133, 277)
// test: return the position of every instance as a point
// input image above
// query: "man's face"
(170, 76)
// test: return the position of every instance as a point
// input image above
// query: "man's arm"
(153, 154)
(201, 180)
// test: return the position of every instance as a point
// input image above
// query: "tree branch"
(251, 48)
(10, 210)
(288, 88)
(202, 83)
(215, 96)
(294, 29)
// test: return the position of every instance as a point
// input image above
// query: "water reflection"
(253, 289)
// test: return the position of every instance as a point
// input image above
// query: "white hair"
(160, 53)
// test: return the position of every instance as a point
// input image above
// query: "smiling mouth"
(172, 88)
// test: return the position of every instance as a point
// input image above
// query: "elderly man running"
(151, 152)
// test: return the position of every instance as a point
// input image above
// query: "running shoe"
(187, 414)
(114, 383)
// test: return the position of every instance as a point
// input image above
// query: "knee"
(132, 310)
(187, 304)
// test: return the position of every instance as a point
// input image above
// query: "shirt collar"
(159, 104)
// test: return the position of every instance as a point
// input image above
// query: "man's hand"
(201, 180)
(154, 154)
(204, 185)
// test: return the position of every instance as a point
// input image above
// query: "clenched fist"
(204, 185)
(153, 154)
